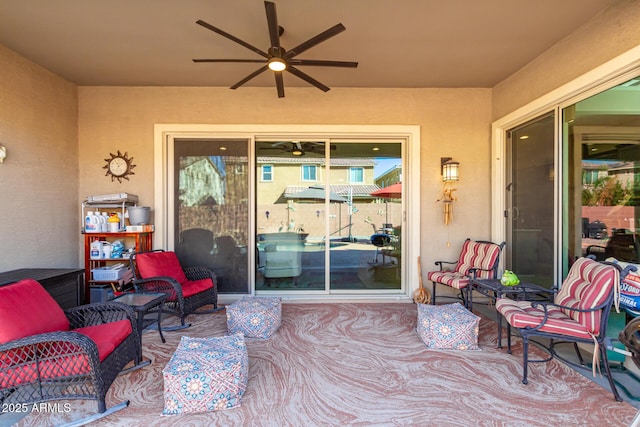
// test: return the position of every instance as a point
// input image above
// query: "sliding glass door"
(319, 225)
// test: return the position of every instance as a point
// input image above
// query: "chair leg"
(607, 369)
(433, 293)
(525, 358)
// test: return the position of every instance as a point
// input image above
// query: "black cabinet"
(66, 285)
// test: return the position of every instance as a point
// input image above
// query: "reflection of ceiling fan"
(277, 58)
(298, 148)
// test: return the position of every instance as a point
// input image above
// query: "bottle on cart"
(91, 223)
(104, 222)
(114, 223)
(96, 249)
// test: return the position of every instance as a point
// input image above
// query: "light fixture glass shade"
(277, 64)
(450, 171)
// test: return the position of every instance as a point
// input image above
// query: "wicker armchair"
(50, 354)
(187, 289)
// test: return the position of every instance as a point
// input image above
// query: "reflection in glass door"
(210, 209)
(319, 227)
(530, 201)
(601, 145)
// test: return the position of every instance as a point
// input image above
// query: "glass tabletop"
(138, 299)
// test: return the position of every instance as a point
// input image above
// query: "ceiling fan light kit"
(276, 58)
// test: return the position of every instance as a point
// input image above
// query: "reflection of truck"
(593, 230)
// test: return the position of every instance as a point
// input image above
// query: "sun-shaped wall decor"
(119, 166)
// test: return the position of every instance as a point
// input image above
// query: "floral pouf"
(206, 374)
(449, 326)
(255, 317)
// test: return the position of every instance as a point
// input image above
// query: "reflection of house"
(278, 176)
(202, 178)
(389, 177)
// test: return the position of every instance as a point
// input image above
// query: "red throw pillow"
(160, 264)
(26, 309)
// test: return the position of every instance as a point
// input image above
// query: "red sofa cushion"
(57, 360)
(107, 336)
(26, 309)
(160, 264)
(478, 255)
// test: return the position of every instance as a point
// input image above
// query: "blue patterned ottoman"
(255, 317)
(206, 374)
(449, 326)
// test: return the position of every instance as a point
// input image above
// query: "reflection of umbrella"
(393, 191)
(315, 193)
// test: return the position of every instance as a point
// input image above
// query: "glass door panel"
(210, 210)
(365, 238)
(290, 215)
(601, 138)
(320, 228)
(530, 201)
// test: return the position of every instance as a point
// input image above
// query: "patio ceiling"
(413, 43)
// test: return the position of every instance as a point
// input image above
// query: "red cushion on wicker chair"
(26, 309)
(193, 287)
(160, 264)
(107, 336)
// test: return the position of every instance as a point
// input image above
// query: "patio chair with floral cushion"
(579, 313)
(50, 354)
(477, 260)
(187, 289)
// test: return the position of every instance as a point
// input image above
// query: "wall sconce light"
(3, 154)
(266, 213)
(449, 169)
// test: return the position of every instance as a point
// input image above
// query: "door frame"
(163, 153)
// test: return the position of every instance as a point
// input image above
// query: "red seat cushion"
(193, 287)
(26, 309)
(107, 336)
(160, 264)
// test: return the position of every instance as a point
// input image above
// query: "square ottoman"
(255, 317)
(449, 326)
(206, 374)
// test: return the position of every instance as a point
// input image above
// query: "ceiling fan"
(298, 148)
(277, 59)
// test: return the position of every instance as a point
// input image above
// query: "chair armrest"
(545, 307)
(440, 263)
(473, 271)
(198, 273)
(167, 285)
(52, 346)
(99, 314)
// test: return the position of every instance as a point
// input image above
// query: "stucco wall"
(608, 35)
(39, 179)
(454, 123)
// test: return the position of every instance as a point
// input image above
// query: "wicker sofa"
(50, 354)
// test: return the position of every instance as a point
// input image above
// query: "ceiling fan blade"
(321, 63)
(249, 77)
(327, 34)
(272, 21)
(307, 78)
(256, 61)
(279, 84)
(231, 37)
